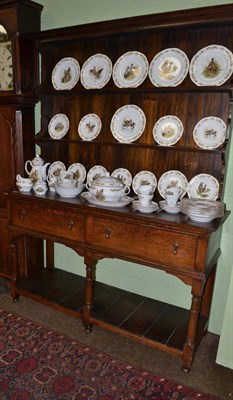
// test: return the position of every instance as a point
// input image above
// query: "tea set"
(37, 173)
(104, 189)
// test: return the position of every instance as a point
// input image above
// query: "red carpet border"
(39, 364)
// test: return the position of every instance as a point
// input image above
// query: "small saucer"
(170, 209)
(145, 209)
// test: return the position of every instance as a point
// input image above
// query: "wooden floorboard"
(141, 316)
(120, 309)
(163, 328)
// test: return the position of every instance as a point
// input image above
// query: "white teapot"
(38, 169)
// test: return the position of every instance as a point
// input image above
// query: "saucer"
(153, 206)
(170, 209)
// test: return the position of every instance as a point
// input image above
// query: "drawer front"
(53, 221)
(146, 243)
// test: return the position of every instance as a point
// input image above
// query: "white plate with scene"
(96, 172)
(171, 179)
(89, 127)
(169, 68)
(144, 178)
(130, 70)
(124, 201)
(96, 71)
(56, 168)
(128, 123)
(168, 130)
(211, 66)
(79, 172)
(123, 175)
(58, 126)
(210, 133)
(66, 74)
(203, 186)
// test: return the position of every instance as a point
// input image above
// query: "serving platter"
(110, 204)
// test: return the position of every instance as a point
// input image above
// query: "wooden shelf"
(127, 313)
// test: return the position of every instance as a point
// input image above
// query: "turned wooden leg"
(189, 346)
(89, 291)
(49, 254)
(14, 261)
(207, 294)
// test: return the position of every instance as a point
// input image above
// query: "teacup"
(145, 199)
(172, 195)
(146, 188)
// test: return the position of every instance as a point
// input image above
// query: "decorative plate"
(168, 130)
(170, 179)
(56, 168)
(58, 126)
(96, 71)
(203, 186)
(96, 172)
(112, 204)
(211, 66)
(66, 74)
(210, 133)
(143, 178)
(130, 70)
(128, 123)
(169, 67)
(89, 127)
(79, 172)
(123, 175)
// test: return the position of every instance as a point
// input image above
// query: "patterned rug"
(36, 363)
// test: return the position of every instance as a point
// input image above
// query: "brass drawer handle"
(175, 248)
(108, 232)
(22, 214)
(70, 224)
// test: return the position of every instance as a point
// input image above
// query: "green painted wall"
(157, 284)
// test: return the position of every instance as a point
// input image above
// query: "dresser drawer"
(53, 221)
(149, 243)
